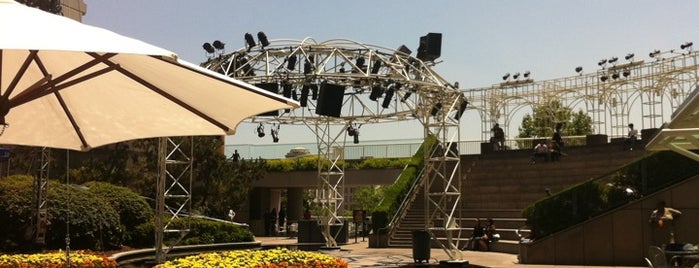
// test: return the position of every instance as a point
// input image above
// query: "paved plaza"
(360, 255)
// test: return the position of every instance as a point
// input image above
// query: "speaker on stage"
(330, 100)
(430, 47)
(271, 87)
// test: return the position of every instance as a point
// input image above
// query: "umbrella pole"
(68, 208)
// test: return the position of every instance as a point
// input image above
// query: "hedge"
(201, 231)
(580, 202)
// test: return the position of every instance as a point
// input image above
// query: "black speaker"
(271, 87)
(430, 47)
(330, 100)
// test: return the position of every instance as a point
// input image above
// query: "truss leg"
(173, 185)
(330, 192)
(41, 189)
(442, 168)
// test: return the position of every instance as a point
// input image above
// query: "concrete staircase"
(499, 185)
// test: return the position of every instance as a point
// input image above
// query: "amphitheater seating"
(499, 185)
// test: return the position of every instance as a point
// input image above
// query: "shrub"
(395, 194)
(133, 210)
(201, 231)
(588, 199)
(93, 223)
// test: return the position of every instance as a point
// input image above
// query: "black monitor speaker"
(330, 100)
(430, 47)
(271, 87)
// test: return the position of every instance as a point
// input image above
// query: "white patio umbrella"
(64, 84)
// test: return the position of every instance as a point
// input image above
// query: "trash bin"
(421, 246)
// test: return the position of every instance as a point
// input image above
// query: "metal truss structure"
(619, 93)
(41, 186)
(173, 194)
(376, 85)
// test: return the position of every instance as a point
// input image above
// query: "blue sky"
(482, 40)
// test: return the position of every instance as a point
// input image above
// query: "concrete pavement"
(360, 255)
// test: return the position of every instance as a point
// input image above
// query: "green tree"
(368, 198)
(545, 117)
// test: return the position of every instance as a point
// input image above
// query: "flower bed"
(273, 258)
(82, 259)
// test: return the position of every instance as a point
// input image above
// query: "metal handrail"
(407, 200)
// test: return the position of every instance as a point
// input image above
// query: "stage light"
(261, 130)
(603, 78)
(303, 101)
(219, 45)
(578, 69)
(404, 49)
(686, 45)
(376, 92)
(602, 62)
(351, 131)
(275, 133)
(615, 76)
(527, 74)
(437, 107)
(360, 62)
(515, 76)
(462, 108)
(376, 67)
(613, 59)
(250, 40)
(654, 53)
(306, 67)
(314, 92)
(627, 73)
(507, 75)
(629, 56)
(208, 47)
(387, 99)
(406, 96)
(263, 39)
(291, 63)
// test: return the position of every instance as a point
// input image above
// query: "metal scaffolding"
(637, 91)
(173, 194)
(376, 85)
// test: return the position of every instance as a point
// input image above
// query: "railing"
(405, 203)
(383, 148)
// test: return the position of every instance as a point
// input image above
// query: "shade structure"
(64, 84)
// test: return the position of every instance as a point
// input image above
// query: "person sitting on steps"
(541, 151)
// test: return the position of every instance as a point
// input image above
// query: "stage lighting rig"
(219, 45)
(654, 53)
(250, 41)
(353, 131)
(263, 39)
(291, 63)
(208, 48)
(687, 46)
(260, 130)
(275, 133)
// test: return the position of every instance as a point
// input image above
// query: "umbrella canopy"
(64, 84)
